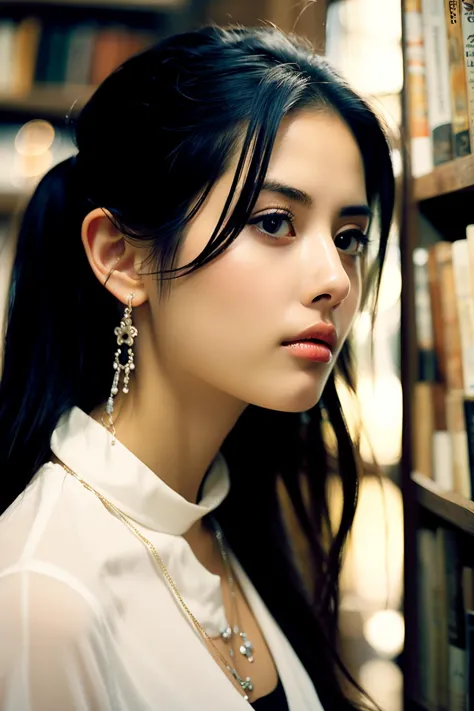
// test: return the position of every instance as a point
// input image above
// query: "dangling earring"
(126, 333)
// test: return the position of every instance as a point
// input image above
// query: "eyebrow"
(273, 186)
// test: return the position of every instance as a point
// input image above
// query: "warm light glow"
(377, 542)
(385, 632)
(379, 406)
(34, 138)
(383, 680)
(373, 566)
(34, 166)
(391, 285)
(364, 17)
(364, 43)
(362, 326)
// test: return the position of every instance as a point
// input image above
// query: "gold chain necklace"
(245, 684)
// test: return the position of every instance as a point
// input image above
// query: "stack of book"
(443, 396)
(439, 51)
(38, 52)
(445, 622)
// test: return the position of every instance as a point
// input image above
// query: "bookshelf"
(449, 506)
(448, 178)
(131, 4)
(52, 100)
(436, 207)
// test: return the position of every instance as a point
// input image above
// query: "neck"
(176, 432)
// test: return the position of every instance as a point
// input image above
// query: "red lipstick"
(315, 343)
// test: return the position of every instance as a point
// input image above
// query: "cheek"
(351, 305)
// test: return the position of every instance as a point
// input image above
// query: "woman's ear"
(112, 258)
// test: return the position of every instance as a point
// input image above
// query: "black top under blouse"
(275, 701)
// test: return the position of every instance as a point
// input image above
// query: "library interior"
(406, 597)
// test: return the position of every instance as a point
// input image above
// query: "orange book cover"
(420, 134)
(24, 55)
(450, 320)
(113, 45)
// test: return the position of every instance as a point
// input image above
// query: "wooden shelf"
(447, 505)
(49, 100)
(447, 178)
(126, 4)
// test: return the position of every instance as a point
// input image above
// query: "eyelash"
(362, 238)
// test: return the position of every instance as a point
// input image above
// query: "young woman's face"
(296, 266)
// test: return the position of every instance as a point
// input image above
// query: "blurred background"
(52, 54)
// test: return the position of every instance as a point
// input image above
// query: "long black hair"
(152, 141)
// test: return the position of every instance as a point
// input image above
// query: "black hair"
(193, 100)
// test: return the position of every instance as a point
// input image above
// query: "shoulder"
(48, 604)
(54, 651)
(49, 530)
(29, 518)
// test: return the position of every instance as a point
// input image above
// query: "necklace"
(245, 684)
(246, 647)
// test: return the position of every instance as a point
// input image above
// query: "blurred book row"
(445, 622)
(439, 48)
(37, 52)
(443, 396)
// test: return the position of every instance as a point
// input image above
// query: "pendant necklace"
(229, 632)
(244, 683)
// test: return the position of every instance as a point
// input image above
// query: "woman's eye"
(275, 224)
(352, 242)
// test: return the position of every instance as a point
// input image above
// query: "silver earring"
(126, 334)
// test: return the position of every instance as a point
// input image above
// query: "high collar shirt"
(87, 619)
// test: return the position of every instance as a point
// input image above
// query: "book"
(455, 619)
(467, 22)
(463, 290)
(458, 81)
(426, 607)
(468, 594)
(423, 316)
(7, 49)
(451, 330)
(437, 79)
(421, 153)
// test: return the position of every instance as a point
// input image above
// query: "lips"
(319, 333)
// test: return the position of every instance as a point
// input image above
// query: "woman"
(181, 298)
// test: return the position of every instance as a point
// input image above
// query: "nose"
(327, 278)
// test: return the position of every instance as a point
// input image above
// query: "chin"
(295, 398)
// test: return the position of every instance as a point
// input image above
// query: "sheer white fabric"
(87, 622)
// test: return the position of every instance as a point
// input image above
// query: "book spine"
(8, 31)
(427, 634)
(451, 330)
(470, 659)
(456, 624)
(437, 79)
(443, 460)
(423, 317)
(420, 135)
(455, 417)
(26, 49)
(436, 313)
(467, 21)
(469, 425)
(465, 308)
(442, 666)
(423, 428)
(457, 71)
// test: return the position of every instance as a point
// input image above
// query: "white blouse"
(87, 621)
